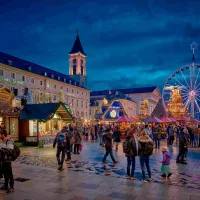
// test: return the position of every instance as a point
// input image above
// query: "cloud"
(130, 43)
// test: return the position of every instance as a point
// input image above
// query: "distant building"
(144, 95)
(111, 106)
(23, 77)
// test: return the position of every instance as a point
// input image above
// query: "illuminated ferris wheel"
(187, 80)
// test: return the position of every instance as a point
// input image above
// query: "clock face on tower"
(113, 114)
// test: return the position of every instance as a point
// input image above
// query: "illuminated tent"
(153, 119)
(165, 119)
(182, 118)
(124, 119)
(159, 110)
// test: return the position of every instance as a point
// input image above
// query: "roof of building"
(44, 112)
(77, 47)
(125, 91)
(115, 95)
(36, 69)
(159, 110)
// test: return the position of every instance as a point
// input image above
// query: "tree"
(61, 96)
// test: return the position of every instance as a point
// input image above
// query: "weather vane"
(193, 46)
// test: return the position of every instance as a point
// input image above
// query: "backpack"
(146, 149)
(61, 140)
(126, 146)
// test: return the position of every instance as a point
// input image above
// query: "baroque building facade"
(44, 85)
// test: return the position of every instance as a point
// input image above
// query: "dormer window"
(65, 80)
(52, 76)
(10, 62)
(59, 78)
(70, 81)
(45, 73)
(74, 83)
(29, 69)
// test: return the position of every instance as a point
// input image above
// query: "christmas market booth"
(8, 114)
(39, 123)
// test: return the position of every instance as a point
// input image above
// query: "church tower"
(77, 62)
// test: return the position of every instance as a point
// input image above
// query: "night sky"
(128, 43)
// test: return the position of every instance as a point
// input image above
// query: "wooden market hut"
(9, 114)
(43, 121)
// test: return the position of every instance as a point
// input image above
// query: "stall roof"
(46, 111)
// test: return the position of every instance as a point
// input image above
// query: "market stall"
(43, 122)
(11, 122)
(8, 113)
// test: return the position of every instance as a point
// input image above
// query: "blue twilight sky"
(129, 43)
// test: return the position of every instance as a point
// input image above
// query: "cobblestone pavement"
(86, 178)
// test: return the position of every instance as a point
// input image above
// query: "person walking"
(6, 149)
(148, 131)
(108, 146)
(183, 143)
(117, 137)
(69, 136)
(191, 134)
(157, 135)
(92, 131)
(77, 141)
(61, 142)
(130, 153)
(71, 132)
(196, 136)
(171, 134)
(145, 150)
(165, 168)
(96, 126)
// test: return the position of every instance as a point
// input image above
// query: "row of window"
(23, 78)
(32, 80)
(55, 97)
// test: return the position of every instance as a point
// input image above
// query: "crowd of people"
(137, 141)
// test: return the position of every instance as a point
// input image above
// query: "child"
(165, 168)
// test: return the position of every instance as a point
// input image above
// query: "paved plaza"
(85, 177)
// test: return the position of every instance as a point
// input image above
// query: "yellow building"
(42, 85)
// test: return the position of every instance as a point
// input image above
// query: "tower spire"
(77, 47)
(193, 46)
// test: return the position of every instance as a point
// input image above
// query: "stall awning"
(46, 111)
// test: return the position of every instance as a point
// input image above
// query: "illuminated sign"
(12, 81)
(113, 114)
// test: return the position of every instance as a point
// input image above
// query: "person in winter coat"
(117, 137)
(131, 157)
(196, 136)
(183, 144)
(156, 135)
(108, 146)
(77, 140)
(6, 148)
(145, 149)
(171, 135)
(165, 168)
(61, 142)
